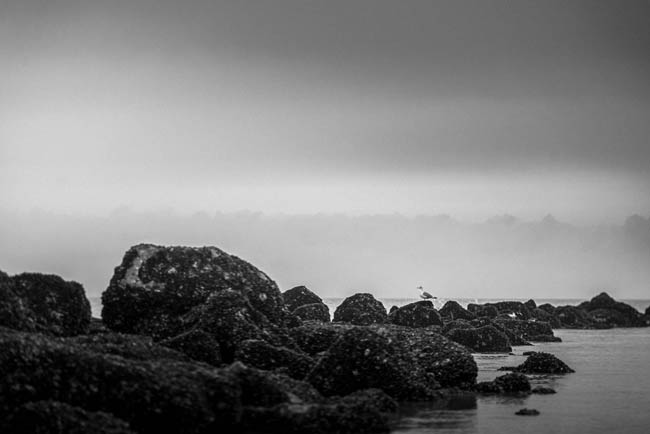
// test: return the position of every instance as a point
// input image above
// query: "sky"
(469, 108)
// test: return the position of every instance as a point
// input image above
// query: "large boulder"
(315, 337)
(418, 314)
(361, 309)
(452, 310)
(45, 303)
(53, 417)
(299, 296)
(512, 309)
(407, 363)
(485, 339)
(543, 363)
(313, 312)
(603, 309)
(572, 317)
(155, 285)
(197, 345)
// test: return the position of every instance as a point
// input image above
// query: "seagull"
(512, 315)
(425, 295)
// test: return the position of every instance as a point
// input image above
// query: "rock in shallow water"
(543, 363)
(485, 339)
(527, 412)
(506, 384)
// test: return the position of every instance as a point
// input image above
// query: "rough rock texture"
(530, 304)
(361, 309)
(452, 310)
(155, 285)
(485, 339)
(315, 337)
(299, 296)
(513, 338)
(313, 312)
(406, 363)
(196, 344)
(262, 355)
(45, 303)
(418, 314)
(535, 331)
(128, 346)
(152, 396)
(53, 417)
(603, 309)
(543, 363)
(571, 317)
(509, 383)
(481, 310)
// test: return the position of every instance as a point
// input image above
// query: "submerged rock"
(418, 314)
(361, 309)
(543, 363)
(155, 285)
(45, 303)
(485, 339)
(541, 390)
(527, 412)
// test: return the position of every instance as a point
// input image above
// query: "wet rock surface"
(361, 309)
(527, 412)
(313, 312)
(155, 285)
(452, 310)
(513, 383)
(486, 339)
(299, 296)
(44, 303)
(418, 314)
(543, 363)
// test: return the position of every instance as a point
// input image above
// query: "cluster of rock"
(195, 340)
(600, 312)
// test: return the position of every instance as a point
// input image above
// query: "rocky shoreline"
(194, 340)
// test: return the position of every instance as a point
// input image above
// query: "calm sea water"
(609, 393)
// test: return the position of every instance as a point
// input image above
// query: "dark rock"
(394, 308)
(513, 338)
(506, 384)
(541, 390)
(299, 296)
(52, 417)
(45, 303)
(262, 355)
(481, 310)
(361, 412)
(132, 347)
(196, 344)
(453, 310)
(530, 304)
(481, 340)
(604, 310)
(230, 319)
(513, 383)
(361, 309)
(509, 308)
(547, 307)
(362, 358)
(529, 330)
(418, 314)
(542, 315)
(155, 285)
(543, 363)
(315, 337)
(152, 396)
(313, 312)
(571, 317)
(527, 412)
(647, 310)
(97, 326)
(460, 324)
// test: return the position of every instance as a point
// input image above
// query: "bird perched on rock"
(425, 295)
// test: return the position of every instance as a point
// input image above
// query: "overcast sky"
(471, 108)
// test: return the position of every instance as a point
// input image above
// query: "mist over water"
(336, 256)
